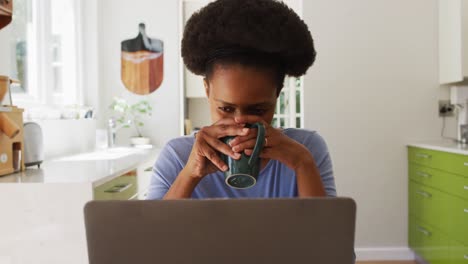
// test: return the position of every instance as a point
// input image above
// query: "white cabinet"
(453, 41)
(144, 172)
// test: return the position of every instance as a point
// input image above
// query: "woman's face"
(237, 90)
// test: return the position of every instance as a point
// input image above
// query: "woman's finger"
(252, 134)
(229, 130)
(268, 143)
(222, 130)
(249, 144)
(213, 157)
(248, 152)
(222, 147)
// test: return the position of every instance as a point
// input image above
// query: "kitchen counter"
(42, 209)
(95, 172)
(442, 145)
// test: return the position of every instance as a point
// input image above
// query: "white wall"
(60, 137)
(199, 112)
(5, 46)
(89, 24)
(374, 88)
(118, 21)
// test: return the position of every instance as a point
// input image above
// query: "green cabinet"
(449, 162)
(428, 242)
(459, 220)
(438, 205)
(458, 253)
(123, 187)
(429, 205)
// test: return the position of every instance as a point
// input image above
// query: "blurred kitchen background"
(382, 68)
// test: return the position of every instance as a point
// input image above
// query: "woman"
(244, 49)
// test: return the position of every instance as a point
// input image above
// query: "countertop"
(95, 172)
(442, 145)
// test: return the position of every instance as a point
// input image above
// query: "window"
(46, 52)
(20, 30)
(289, 107)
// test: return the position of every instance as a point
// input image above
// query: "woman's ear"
(207, 87)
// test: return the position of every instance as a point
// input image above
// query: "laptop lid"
(273, 231)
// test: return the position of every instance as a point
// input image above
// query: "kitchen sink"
(104, 154)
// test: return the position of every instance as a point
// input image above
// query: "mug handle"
(259, 143)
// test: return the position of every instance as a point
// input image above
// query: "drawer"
(145, 171)
(459, 219)
(123, 187)
(458, 253)
(441, 180)
(445, 161)
(459, 187)
(429, 205)
(433, 178)
(428, 242)
(423, 156)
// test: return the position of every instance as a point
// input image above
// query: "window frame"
(39, 60)
(290, 112)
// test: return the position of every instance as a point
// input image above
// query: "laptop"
(221, 231)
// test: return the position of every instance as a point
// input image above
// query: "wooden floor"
(385, 262)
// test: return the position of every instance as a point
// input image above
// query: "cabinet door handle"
(422, 155)
(119, 188)
(423, 174)
(465, 257)
(465, 210)
(424, 231)
(134, 197)
(425, 194)
(465, 187)
(465, 163)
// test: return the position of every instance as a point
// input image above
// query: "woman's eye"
(226, 109)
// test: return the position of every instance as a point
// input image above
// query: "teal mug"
(243, 173)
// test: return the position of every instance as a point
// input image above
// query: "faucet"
(112, 129)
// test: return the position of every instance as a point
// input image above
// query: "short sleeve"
(319, 150)
(165, 170)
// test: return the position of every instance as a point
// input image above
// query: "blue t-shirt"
(274, 181)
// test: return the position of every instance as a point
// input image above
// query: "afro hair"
(258, 28)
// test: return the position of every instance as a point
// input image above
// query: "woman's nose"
(241, 117)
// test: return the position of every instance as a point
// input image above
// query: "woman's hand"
(287, 151)
(277, 146)
(204, 158)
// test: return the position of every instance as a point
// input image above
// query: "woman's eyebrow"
(226, 103)
(264, 104)
(250, 105)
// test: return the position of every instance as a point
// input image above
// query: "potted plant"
(128, 115)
